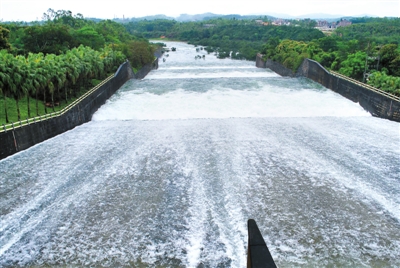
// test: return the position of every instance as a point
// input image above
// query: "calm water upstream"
(172, 166)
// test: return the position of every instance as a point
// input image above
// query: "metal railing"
(377, 90)
(25, 122)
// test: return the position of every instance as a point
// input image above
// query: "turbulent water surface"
(172, 166)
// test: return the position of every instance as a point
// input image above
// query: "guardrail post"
(20, 123)
(12, 123)
(27, 121)
(4, 126)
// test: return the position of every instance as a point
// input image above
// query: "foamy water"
(172, 166)
(223, 91)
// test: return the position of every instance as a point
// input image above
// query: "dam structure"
(172, 166)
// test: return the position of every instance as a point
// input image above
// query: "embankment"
(26, 134)
(375, 101)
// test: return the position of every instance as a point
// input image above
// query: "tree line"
(238, 38)
(377, 30)
(52, 78)
(365, 59)
(45, 64)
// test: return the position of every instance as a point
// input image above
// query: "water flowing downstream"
(172, 166)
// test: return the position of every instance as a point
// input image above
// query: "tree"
(49, 38)
(139, 53)
(57, 77)
(4, 34)
(66, 17)
(17, 88)
(269, 48)
(390, 58)
(113, 32)
(38, 76)
(328, 43)
(72, 67)
(354, 65)
(385, 82)
(88, 36)
(5, 79)
(26, 87)
(50, 15)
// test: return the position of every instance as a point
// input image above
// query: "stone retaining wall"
(377, 103)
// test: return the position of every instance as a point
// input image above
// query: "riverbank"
(27, 133)
(378, 103)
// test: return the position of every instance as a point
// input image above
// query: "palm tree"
(84, 67)
(47, 70)
(27, 74)
(38, 75)
(72, 67)
(17, 89)
(4, 79)
(58, 79)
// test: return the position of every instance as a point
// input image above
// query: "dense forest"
(59, 58)
(378, 30)
(43, 66)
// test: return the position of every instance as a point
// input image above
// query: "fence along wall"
(375, 101)
(27, 134)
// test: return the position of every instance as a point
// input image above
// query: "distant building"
(261, 22)
(322, 24)
(343, 23)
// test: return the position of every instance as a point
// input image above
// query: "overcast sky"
(30, 10)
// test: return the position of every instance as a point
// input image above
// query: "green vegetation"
(376, 30)
(367, 50)
(4, 33)
(368, 58)
(239, 39)
(48, 80)
(45, 66)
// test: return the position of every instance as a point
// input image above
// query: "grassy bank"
(23, 106)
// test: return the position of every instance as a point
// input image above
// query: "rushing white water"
(172, 166)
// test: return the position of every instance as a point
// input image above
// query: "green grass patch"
(40, 110)
(23, 106)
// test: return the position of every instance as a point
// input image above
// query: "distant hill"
(207, 16)
(152, 17)
(241, 17)
(320, 16)
(197, 17)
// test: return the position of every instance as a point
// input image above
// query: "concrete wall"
(378, 104)
(146, 69)
(21, 138)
